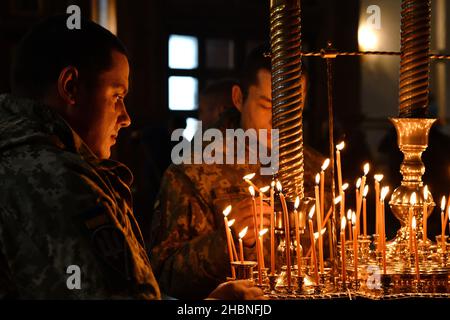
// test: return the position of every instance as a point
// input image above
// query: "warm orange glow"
(227, 211)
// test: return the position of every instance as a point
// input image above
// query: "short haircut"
(50, 46)
(218, 93)
(258, 59)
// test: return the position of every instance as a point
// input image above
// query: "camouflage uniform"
(188, 242)
(60, 206)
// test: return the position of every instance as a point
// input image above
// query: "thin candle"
(377, 178)
(416, 254)
(324, 167)
(255, 225)
(358, 193)
(342, 211)
(272, 229)
(319, 222)
(297, 236)
(355, 246)
(261, 254)
(443, 224)
(382, 235)
(366, 190)
(343, 223)
(226, 212)
(261, 207)
(339, 148)
(412, 203)
(349, 221)
(425, 215)
(313, 247)
(233, 246)
(241, 246)
(361, 192)
(287, 234)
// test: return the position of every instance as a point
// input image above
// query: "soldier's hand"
(237, 290)
(243, 213)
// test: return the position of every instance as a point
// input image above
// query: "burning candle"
(416, 253)
(247, 178)
(412, 203)
(255, 225)
(349, 221)
(366, 190)
(342, 211)
(425, 215)
(343, 223)
(287, 234)
(241, 245)
(313, 247)
(355, 245)
(233, 246)
(261, 253)
(297, 236)
(382, 235)
(324, 167)
(360, 199)
(226, 212)
(339, 148)
(272, 229)
(378, 178)
(357, 192)
(443, 224)
(319, 221)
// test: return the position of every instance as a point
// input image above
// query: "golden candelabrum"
(410, 265)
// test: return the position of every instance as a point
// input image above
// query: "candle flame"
(384, 192)
(243, 233)
(272, 183)
(279, 187)
(250, 176)
(345, 186)
(340, 146)
(358, 183)
(263, 232)
(366, 190)
(322, 232)
(413, 223)
(297, 203)
(251, 190)
(413, 199)
(311, 211)
(231, 222)
(443, 203)
(349, 215)
(227, 211)
(425, 192)
(325, 164)
(317, 178)
(337, 200)
(343, 223)
(366, 169)
(264, 189)
(378, 177)
(354, 218)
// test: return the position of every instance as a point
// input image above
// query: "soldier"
(188, 235)
(67, 230)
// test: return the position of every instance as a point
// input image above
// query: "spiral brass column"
(415, 62)
(287, 97)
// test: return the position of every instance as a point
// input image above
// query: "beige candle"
(382, 235)
(343, 223)
(412, 202)
(261, 253)
(313, 247)
(233, 246)
(355, 245)
(272, 229)
(255, 225)
(378, 178)
(226, 212)
(342, 211)
(358, 193)
(324, 167)
(319, 222)
(416, 254)
(261, 207)
(339, 148)
(297, 236)
(241, 246)
(287, 234)
(425, 215)
(443, 224)
(349, 221)
(366, 190)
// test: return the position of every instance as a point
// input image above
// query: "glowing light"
(366, 169)
(384, 192)
(345, 186)
(317, 178)
(413, 199)
(443, 203)
(358, 183)
(343, 223)
(425, 192)
(366, 190)
(249, 176)
(367, 38)
(337, 200)
(325, 164)
(297, 202)
(231, 222)
(378, 177)
(243, 233)
(340, 146)
(227, 211)
(264, 189)
(311, 211)
(251, 190)
(279, 187)
(263, 232)
(349, 215)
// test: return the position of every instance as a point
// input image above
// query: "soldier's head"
(253, 97)
(80, 73)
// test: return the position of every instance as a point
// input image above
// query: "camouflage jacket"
(188, 242)
(62, 206)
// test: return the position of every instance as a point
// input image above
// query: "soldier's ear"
(68, 85)
(237, 97)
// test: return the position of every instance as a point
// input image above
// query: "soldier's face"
(103, 107)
